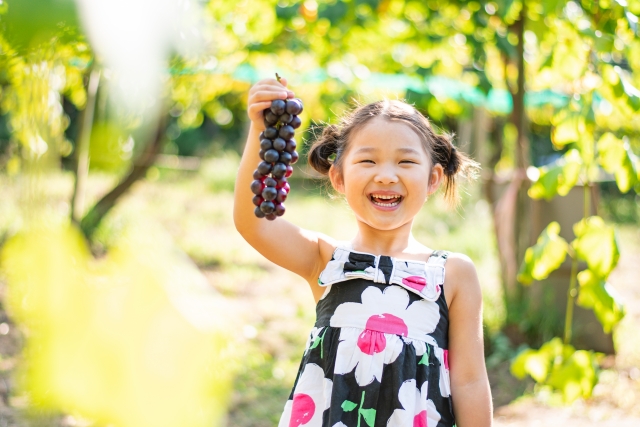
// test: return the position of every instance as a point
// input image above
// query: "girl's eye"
(408, 161)
(367, 161)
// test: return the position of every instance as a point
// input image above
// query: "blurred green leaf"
(558, 177)
(596, 244)
(599, 296)
(547, 255)
(576, 376)
(537, 363)
(568, 128)
(616, 157)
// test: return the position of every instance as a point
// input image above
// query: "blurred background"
(127, 298)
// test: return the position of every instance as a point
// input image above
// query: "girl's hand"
(261, 95)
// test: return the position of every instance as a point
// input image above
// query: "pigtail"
(454, 163)
(325, 148)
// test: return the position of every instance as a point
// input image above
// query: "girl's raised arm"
(300, 251)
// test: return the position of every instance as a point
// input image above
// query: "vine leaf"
(596, 244)
(616, 157)
(568, 127)
(600, 296)
(576, 376)
(572, 373)
(558, 177)
(548, 253)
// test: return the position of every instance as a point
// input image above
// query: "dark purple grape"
(287, 188)
(279, 169)
(295, 122)
(294, 157)
(279, 144)
(266, 144)
(271, 216)
(289, 171)
(267, 207)
(285, 158)
(269, 193)
(261, 154)
(270, 182)
(294, 106)
(270, 133)
(291, 146)
(261, 136)
(271, 156)
(285, 118)
(264, 168)
(258, 212)
(277, 106)
(280, 209)
(286, 132)
(281, 183)
(281, 197)
(258, 175)
(270, 118)
(257, 199)
(257, 187)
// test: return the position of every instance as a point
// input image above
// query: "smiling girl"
(398, 335)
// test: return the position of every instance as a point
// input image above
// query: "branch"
(92, 219)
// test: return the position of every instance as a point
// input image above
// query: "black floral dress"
(377, 355)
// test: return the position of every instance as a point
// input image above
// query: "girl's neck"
(385, 242)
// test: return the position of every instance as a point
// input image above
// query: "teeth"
(386, 204)
(377, 196)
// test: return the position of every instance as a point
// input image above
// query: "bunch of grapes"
(278, 153)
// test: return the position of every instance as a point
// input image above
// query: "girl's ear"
(435, 178)
(337, 182)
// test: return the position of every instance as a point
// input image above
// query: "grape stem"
(278, 77)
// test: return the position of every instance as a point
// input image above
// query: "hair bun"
(324, 149)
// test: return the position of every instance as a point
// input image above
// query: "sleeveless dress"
(377, 354)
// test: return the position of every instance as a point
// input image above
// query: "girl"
(398, 337)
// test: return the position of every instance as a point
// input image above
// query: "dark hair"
(329, 147)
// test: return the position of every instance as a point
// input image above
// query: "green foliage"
(616, 157)
(598, 295)
(557, 178)
(546, 256)
(596, 244)
(560, 367)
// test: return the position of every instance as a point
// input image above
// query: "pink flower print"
(417, 409)
(372, 339)
(445, 384)
(415, 282)
(311, 397)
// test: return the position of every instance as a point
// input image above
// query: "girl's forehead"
(380, 132)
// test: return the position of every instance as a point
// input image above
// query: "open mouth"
(385, 200)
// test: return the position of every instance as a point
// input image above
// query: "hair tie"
(450, 161)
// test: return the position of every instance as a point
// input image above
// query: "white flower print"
(445, 384)
(418, 410)
(311, 397)
(413, 321)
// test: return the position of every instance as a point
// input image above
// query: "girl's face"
(386, 174)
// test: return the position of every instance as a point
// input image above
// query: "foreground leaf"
(596, 244)
(599, 296)
(537, 363)
(616, 157)
(558, 177)
(547, 255)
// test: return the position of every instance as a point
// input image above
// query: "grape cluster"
(278, 153)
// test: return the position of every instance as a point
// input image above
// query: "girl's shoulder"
(461, 278)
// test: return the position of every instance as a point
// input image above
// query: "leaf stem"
(571, 296)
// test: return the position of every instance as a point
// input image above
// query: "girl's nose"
(386, 174)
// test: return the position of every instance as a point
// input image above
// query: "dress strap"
(422, 278)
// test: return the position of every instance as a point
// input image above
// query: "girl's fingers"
(267, 96)
(259, 106)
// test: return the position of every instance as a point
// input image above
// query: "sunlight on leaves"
(548, 253)
(616, 157)
(570, 372)
(598, 295)
(596, 244)
(568, 129)
(115, 340)
(558, 177)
